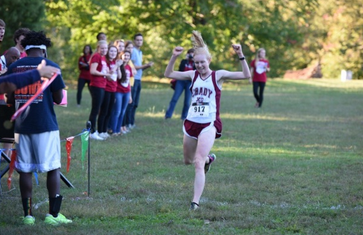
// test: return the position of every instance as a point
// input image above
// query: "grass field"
(292, 167)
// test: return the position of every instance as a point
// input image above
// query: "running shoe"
(60, 219)
(194, 206)
(212, 157)
(104, 135)
(95, 136)
(29, 220)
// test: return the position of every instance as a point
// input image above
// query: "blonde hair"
(101, 42)
(116, 42)
(257, 59)
(199, 46)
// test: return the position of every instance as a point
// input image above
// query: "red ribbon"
(69, 148)
(11, 167)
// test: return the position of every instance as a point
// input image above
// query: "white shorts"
(38, 152)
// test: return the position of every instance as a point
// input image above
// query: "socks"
(208, 160)
(54, 205)
(27, 206)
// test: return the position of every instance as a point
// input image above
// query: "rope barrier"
(69, 141)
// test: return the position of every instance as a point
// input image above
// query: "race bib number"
(199, 110)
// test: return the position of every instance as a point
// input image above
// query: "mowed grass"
(292, 167)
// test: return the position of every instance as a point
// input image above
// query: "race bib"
(199, 110)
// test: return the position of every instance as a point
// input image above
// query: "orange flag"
(11, 167)
(69, 149)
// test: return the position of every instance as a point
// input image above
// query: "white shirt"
(2, 63)
(205, 100)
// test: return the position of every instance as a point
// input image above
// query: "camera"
(190, 57)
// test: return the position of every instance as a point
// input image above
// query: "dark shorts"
(193, 129)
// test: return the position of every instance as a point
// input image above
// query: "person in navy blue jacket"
(11, 82)
(36, 136)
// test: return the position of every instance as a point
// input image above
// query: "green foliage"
(295, 34)
(20, 14)
(333, 36)
(277, 27)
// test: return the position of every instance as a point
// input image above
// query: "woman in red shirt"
(84, 75)
(259, 67)
(120, 45)
(110, 90)
(123, 95)
(99, 73)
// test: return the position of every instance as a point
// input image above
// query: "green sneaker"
(28, 220)
(212, 157)
(60, 219)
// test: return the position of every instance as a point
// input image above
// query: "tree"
(20, 14)
(295, 34)
(333, 36)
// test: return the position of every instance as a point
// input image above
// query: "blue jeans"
(179, 87)
(119, 109)
(135, 92)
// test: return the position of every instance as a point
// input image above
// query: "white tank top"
(205, 104)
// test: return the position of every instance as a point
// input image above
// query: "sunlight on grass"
(321, 146)
(329, 83)
(287, 117)
(248, 116)
(152, 114)
(287, 150)
(258, 150)
(165, 182)
(242, 116)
